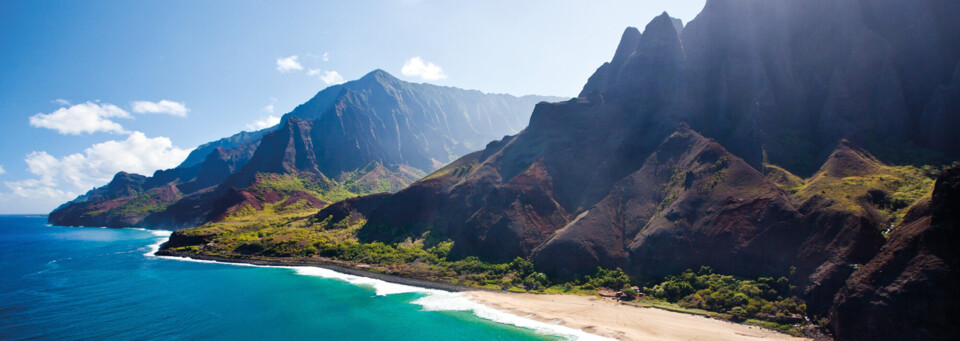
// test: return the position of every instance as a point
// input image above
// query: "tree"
(521, 266)
(739, 313)
(628, 293)
(677, 290)
(536, 281)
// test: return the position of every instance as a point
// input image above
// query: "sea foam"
(432, 300)
(164, 237)
(439, 300)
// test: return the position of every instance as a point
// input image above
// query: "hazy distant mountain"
(764, 138)
(371, 135)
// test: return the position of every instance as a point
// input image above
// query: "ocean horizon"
(99, 283)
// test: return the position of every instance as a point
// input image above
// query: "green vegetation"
(300, 237)
(375, 178)
(142, 204)
(456, 169)
(783, 178)
(867, 185)
(766, 298)
(603, 278)
(274, 190)
(672, 189)
(889, 189)
(323, 189)
(262, 235)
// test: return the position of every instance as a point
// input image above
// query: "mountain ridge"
(406, 129)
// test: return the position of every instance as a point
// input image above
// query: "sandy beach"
(624, 322)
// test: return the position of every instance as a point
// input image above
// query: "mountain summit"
(374, 134)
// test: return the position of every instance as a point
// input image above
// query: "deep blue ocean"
(95, 283)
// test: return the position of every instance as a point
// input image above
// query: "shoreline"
(596, 316)
(610, 319)
(395, 279)
(438, 296)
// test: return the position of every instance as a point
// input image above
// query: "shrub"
(763, 298)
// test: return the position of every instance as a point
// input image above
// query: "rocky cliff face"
(909, 290)
(371, 135)
(786, 80)
(609, 179)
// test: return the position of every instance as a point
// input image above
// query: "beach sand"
(624, 322)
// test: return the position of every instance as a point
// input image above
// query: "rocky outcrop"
(909, 290)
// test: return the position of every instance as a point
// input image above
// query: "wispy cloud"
(416, 67)
(86, 117)
(288, 64)
(326, 57)
(267, 122)
(161, 107)
(268, 108)
(61, 101)
(2, 171)
(328, 77)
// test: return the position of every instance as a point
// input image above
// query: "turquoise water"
(93, 283)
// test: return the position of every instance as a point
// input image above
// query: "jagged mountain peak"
(658, 48)
(628, 44)
(662, 24)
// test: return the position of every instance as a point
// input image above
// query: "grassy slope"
(891, 190)
(140, 204)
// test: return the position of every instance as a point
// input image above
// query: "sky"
(88, 88)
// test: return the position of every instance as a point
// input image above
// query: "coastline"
(621, 321)
(594, 316)
(341, 268)
(438, 296)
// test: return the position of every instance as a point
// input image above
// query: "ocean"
(104, 284)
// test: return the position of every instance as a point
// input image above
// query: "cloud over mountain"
(328, 77)
(416, 67)
(267, 122)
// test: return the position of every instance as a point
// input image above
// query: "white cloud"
(416, 67)
(162, 107)
(331, 77)
(58, 180)
(61, 101)
(34, 190)
(328, 77)
(288, 64)
(86, 117)
(97, 164)
(43, 165)
(326, 57)
(268, 108)
(264, 123)
(2, 171)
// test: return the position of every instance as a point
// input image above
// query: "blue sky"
(91, 88)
